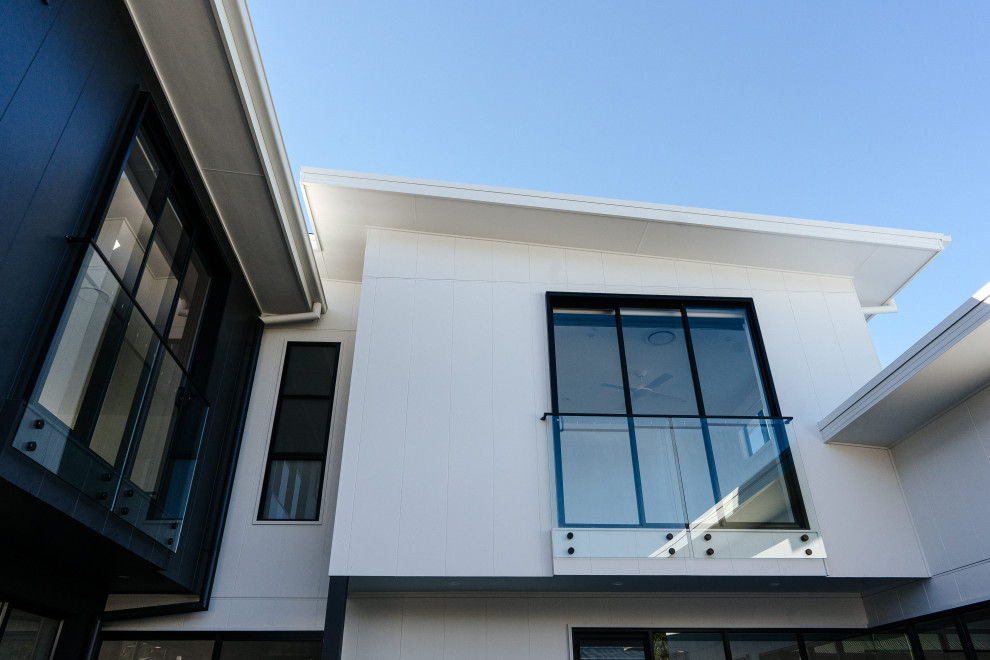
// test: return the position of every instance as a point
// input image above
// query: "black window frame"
(629, 301)
(273, 455)
(174, 186)
(615, 302)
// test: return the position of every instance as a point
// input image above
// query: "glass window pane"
(596, 462)
(764, 646)
(589, 374)
(663, 496)
(303, 426)
(694, 471)
(292, 491)
(27, 636)
(688, 646)
(162, 270)
(885, 646)
(612, 647)
(92, 326)
(751, 484)
(940, 640)
(128, 223)
(268, 650)
(166, 649)
(726, 359)
(310, 370)
(122, 401)
(978, 625)
(660, 380)
(149, 454)
(189, 311)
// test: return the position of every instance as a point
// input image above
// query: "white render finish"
(272, 574)
(446, 464)
(434, 627)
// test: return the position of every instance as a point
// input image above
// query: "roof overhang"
(941, 370)
(206, 59)
(342, 205)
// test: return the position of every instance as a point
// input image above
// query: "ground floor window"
(212, 646)
(24, 635)
(953, 635)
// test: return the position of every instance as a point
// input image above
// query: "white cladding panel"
(446, 466)
(539, 626)
(943, 470)
(272, 574)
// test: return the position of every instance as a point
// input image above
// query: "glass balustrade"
(676, 472)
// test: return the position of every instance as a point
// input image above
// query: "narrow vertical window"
(298, 449)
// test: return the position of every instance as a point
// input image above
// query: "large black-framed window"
(118, 406)
(297, 452)
(664, 356)
(664, 415)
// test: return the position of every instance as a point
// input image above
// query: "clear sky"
(863, 112)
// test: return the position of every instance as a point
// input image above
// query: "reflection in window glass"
(940, 640)
(978, 626)
(727, 365)
(92, 324)
(688, 646)
(660, 380)
(283, 650)
(612, 647)
(596, 461)
(189, 310)
(127, 226)
(883, 646)
(125, 392)
(170, 649)
(589, 374)
(292, 490)
(27, 636)
(764, 646)
(163, 268)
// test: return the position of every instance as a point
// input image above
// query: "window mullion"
(705, 432)
(630, 421)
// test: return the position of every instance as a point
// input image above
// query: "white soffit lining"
(342, 204)
(205, 55)
(942, 369)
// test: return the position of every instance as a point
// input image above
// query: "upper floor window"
(116, 409)
(642, 356)
(297, 452)
(664, 415)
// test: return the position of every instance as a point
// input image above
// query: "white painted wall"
(445, 465)
(944, 469)
(272, 574)
(431, 627)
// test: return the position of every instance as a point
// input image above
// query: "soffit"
(205, 58)
(941, 370)
(342, 204)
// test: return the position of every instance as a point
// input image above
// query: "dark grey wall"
(70, 75)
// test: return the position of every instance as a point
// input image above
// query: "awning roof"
(942, 369)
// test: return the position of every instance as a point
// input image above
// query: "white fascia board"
(626, 209)
(238, 38)
(957, 326)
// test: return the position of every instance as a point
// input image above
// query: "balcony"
(686, 485)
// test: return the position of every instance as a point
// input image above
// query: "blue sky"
(863, 112)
